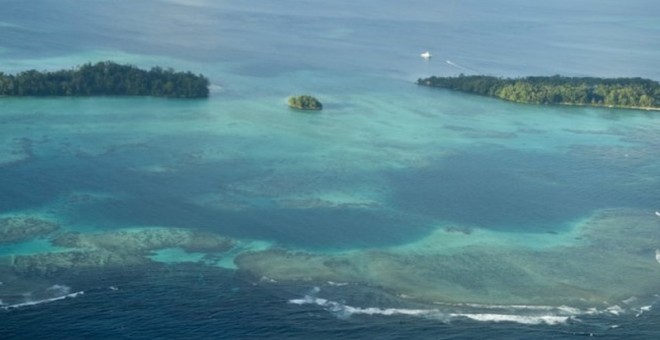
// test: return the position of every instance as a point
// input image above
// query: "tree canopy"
(105, 79)
(305, 102)
(613, 92)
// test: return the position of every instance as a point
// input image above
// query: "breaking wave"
(521, 314)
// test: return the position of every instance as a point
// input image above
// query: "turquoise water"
(428, 194)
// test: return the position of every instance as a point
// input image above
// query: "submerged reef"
(581, 268)
(19, 229)
(16, 151)
(145, 240)
(601, 261)
(56, 263)
(112, 249)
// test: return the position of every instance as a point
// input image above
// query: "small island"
(305, 102)
(632, 93)
(105, 79)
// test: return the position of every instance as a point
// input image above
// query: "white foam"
(630, 300)
(522, 319)
(345, 311)
(559, 309)
(615, 310)
(38, 302)
(58, 292)
(267, 279)
(522, 314)
(460, 66)
(59, 289)
(642, 310)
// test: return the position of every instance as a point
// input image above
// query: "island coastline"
(614, 93)
(104, 78)
(305, 102)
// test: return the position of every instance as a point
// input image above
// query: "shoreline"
(636, 108)
(612, 93)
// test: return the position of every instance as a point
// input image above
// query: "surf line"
(344, 311)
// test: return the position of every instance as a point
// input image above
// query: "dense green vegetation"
(613, 92)
(105, 79)
(305, 102)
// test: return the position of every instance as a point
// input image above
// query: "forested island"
(636, 93)
(305, 102)
(105, 79)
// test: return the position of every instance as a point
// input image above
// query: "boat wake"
(460, 67)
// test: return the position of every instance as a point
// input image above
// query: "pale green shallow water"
(487, 206)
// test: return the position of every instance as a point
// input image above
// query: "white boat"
(426, 55)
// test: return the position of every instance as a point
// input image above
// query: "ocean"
(398, 211)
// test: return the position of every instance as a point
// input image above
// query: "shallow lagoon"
(427, 194)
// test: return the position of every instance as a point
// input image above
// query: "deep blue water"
(183, 302)
(507, 190)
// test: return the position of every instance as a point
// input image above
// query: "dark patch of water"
(505, 189)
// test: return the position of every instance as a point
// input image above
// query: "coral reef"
(112, 249)
(19, 229)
